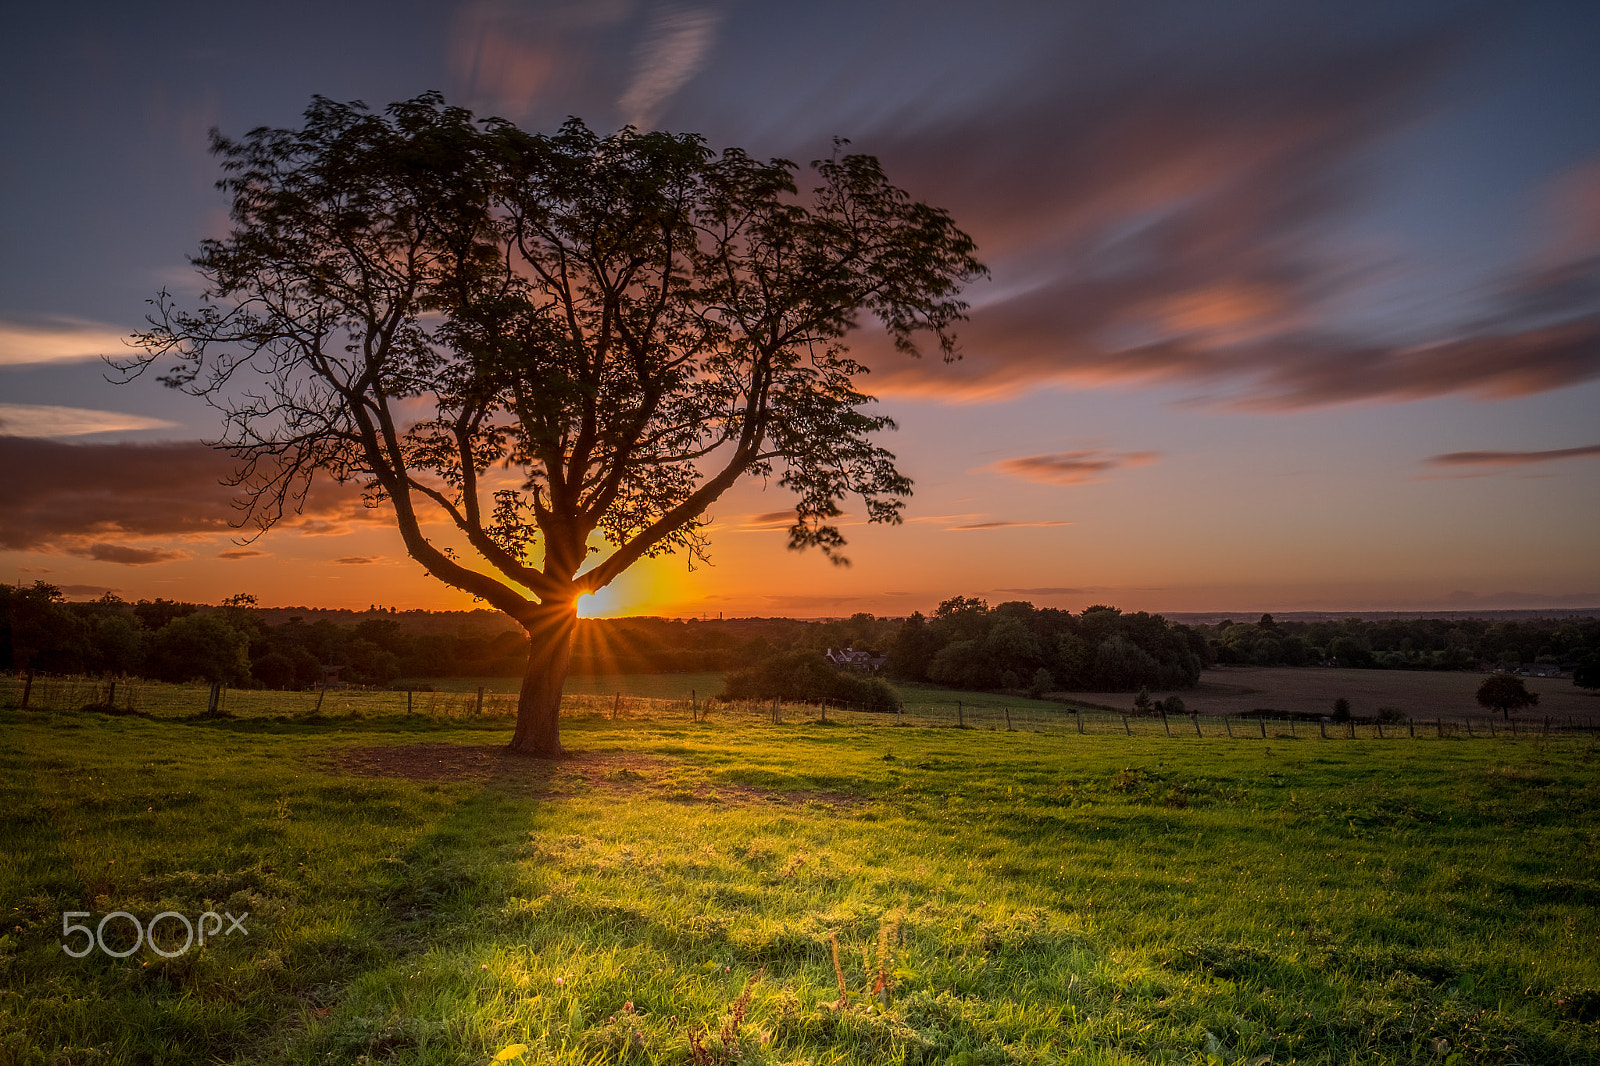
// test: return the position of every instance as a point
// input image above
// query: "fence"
(41, 692)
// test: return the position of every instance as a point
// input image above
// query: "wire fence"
(67, 694)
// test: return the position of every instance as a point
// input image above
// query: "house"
(850, 659)
(1529, 669)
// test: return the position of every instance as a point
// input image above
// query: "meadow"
(714, 891)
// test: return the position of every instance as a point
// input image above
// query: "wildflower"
(560, 981)
(627, 1008)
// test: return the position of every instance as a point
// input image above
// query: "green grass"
(1043, 898)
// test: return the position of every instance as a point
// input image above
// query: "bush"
(805, 678)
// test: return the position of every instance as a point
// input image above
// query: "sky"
(1292, 306)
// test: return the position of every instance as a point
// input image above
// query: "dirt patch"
(572, 774)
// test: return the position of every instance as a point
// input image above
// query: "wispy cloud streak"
(1512, 458)
(61, 340)
(1084, 467)
(41, 420)
(673, 51)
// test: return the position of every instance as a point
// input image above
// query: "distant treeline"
(1406, 644)
(241, 644)
(965, 643)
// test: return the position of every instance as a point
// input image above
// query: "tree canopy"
(1504, 693)
(559, 346)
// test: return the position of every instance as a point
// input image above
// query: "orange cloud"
(1072, 468)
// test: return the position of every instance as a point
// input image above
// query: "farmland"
(417, 896)
(1422, 694)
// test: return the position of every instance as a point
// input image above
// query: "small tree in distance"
(1505, 693)
(558, 346)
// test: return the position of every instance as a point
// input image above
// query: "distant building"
(1529, 669)
(850, 659)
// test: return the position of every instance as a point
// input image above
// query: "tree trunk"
(539, 705)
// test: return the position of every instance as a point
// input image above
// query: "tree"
(198, 646)
(1505, 693)
(605, 334)
(1587, 673)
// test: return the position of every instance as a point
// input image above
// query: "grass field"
(416, 896)
(1423, 694)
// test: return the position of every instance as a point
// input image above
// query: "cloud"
(505, 55)
(768, 520)
(128, 555)
(358, 560)
(40, 420)
(59, 340)
(242, 553)
(1511, 458)
(93, 592)
(1005, 525)
(1182, 217)
(1072, 468)
(672, 52)
(71, 497)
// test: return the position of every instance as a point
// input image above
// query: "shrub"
(804, 677)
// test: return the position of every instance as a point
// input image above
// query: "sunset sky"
(1292, 306)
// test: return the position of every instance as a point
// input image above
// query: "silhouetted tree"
(1504, 693)
(1587, 673)
(630, 322)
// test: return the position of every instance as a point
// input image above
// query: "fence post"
(1350, 729)
(1441, 729)
(1125, 727)
(1492, 734)
(1263, 722)
(1322, 727)
(480, 701)
(1228, 725)
(1080, 721)
(1380, 729)
(961, 717)
(1547, 725)
(409, 693)
(111, 701)
(1008, 721)
(1164, 724)
(1468, 723)
(212, 696)
(1411, 724)
(1293, 732)
(824, 710)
